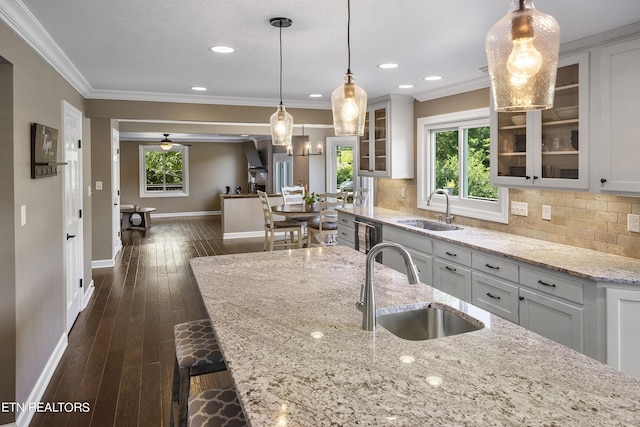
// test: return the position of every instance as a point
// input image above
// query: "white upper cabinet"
(619, 115)
(546, 149)
(386, 148)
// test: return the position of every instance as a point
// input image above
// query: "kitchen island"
(288, 327)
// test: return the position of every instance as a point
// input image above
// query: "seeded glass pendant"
(281, 122)
(522, 53)
(349, 105)
(348, 101)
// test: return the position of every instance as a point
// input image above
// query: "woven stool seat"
(197, 353)
(216, 408)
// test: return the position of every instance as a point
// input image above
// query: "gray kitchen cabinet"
(550, 148)
(494, 285)
(452, 270)
(619, 94)
(552, 318)
(419, 247)
(386, 148)
(346, 229)
(623, 345)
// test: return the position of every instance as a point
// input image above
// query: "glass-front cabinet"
(547, 148)
(386, 148)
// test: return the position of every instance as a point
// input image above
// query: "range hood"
(253, 157)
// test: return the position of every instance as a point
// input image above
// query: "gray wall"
(102, 245)
(212, 166)
(32, 264)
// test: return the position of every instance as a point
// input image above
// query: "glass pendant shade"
(522, 53)
(166, 146)
(281, 127)
(349, 105)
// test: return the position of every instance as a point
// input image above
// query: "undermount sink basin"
(429, 225)
(426, 321)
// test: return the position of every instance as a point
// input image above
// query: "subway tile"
(622, 207)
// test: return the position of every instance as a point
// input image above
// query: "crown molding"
(479, 83)
(17, 17)
(202, 99)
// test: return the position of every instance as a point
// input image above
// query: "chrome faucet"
(367, 303)
(448, 216)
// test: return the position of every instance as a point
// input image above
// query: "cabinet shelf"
(512, 154)
(560, 153)
(512, 127)
(566, 87)
(560, 122)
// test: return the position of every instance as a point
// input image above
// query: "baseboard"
(183, 214)
(103, 263)
(243, 234)
(24, 418)
(87, 295)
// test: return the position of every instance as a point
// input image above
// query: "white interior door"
(115, 192)
(336, 144)
(72, 171)
(283, 171)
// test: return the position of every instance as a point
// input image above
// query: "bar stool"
(216, 408)
(197, 353)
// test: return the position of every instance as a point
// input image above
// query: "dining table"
(297, 211)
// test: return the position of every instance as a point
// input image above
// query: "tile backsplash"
(585, 220)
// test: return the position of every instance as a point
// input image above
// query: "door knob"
(70, 236)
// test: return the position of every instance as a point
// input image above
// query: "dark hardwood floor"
(121, 353)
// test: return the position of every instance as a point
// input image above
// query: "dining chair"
(271, 227)
(360, 196)
(326, 224)
(293, 195)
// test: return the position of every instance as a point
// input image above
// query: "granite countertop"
(586, 263)
(245, 195)
(288, 327)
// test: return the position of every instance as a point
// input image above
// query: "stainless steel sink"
(426, 321)
(425, 224)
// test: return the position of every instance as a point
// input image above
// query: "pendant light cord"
(348, 36)
(280, 64)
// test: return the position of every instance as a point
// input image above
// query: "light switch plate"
(98, 185)
(403, 192)
(546, 212)
(520, 208)
(633, 223)
(23, 215)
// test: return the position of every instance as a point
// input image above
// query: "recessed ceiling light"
(222, 49)
(388, 65)
(315, 95)
(405, 86)
(198, 88)
(432, 78)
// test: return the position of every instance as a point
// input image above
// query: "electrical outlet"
(520, 208)
(633, 223)
(98, 185)
(23, 215)
(546, 212)
(403, 192)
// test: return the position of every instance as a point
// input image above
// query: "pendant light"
(349, 101)
(166, 143)
(522, 53)
(281, 121)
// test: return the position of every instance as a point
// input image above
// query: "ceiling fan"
(167, 144)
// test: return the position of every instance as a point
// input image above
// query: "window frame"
(143, 149)
(479, 209)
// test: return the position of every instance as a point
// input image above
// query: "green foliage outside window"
(476, 169)
(164, 170)
(344, 165)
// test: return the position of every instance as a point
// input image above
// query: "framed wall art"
(44, 151)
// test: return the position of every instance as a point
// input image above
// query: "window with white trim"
(453, 154)
(164, 173)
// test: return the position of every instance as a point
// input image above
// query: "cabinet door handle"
(70, 236)
(603, 180)
(527, 177)
(492, 267)
(450, 254)
(449, 268)
(535, 177)
(492, 296)
(551, 285)
(521, 298)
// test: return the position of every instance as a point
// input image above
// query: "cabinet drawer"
(496, 296)
(408, 239)
(346, 220)
(453, 253)
(452, 279)
(347, 234)
(495, 266)
(552, 284)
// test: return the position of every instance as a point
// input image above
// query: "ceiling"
(158, 50)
